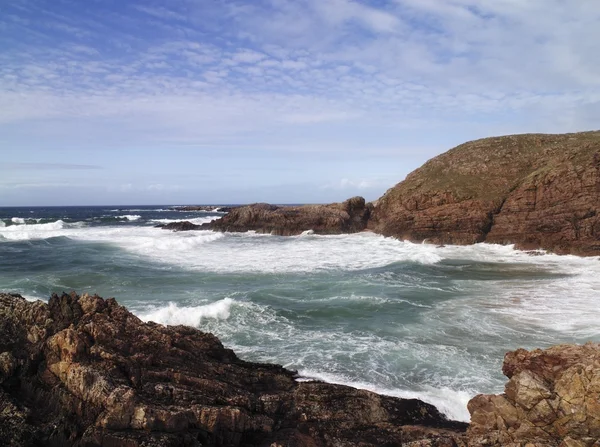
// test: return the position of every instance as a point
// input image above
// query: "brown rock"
(536, 191)
(184, 225)
(551, 399)
(93, 374)
(350, 216)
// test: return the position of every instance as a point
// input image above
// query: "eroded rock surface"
(350, 216)
(83, 371)
(536, 191)
(552, 399)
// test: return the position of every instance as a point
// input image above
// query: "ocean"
(398, 318)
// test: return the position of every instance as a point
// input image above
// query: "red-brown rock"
(535, 191)
(350, 216)
(83, 371)
(552, 399)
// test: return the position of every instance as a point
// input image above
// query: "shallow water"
(404, 319)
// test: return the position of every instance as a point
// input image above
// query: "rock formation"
(184, 225)
(83, 371)
(350, 216)
(536, 191)
(552, 399)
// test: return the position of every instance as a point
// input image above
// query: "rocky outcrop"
(552, 399)
(83, 371)
(350, 216)
(535, 191)
(184, 225)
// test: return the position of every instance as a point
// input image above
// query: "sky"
(284, 101)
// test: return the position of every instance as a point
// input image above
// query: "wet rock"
(180, 226)
(83, 371)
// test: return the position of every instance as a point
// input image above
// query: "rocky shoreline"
(84, 371)
(535, 191)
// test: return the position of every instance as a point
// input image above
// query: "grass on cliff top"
(487, 169)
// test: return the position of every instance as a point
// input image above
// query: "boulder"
(551, 399)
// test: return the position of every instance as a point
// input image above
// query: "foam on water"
(141, 210)
(446, 350)
(18, 220)
(130, 217)
(196, 220)
(172, 314)
(450, 402)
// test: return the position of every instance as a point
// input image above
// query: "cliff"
(83, 371)
(536, 191)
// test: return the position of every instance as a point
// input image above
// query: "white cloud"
(341, 68)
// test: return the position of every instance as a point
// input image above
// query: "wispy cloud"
(342, 76)
(46, 166)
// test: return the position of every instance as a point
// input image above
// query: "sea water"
(403, 319)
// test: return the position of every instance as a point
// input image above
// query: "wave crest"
(172, 314)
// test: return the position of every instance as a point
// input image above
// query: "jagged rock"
(184, 225)
(83, 371)
(551, 399)
(536, 191)
(350, 216)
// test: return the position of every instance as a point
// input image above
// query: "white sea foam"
(196, 221)
(2, 224)
(450, 402)
(130, 217)
(140, 210)
(172, 314)
(36, 231)
(18, 220)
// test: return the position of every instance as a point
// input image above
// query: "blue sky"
(286, 101)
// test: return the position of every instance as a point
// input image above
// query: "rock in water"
(83, 371)
(536, 191)
(551, 399)
(184, 225)
(350, 216)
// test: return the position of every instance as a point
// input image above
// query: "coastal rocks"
(535, 191)
(83, 371)
(350, 216)
(551, 399)
(184, 225)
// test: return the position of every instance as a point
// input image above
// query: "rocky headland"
(84, 371)
(534, 191)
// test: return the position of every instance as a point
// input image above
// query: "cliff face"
(552, 399)
(536, 191)
(83, 371)
(350, 216)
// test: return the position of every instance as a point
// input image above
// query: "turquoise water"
(405, 319)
